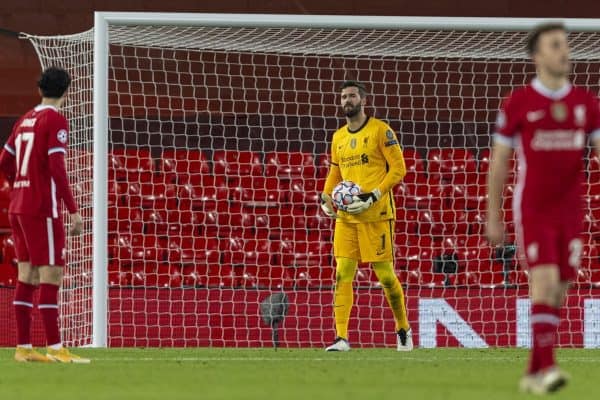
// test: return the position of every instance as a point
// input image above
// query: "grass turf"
(289, 374)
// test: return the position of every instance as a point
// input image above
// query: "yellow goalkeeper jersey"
(371, 157)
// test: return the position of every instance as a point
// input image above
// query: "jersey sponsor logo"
(579, 114)
(533, 116)
(61, 136)
(21, 184)
(559, 111)
(559, 139)
(28, 122)
(391, 143)
(352, 161)
(364, 158)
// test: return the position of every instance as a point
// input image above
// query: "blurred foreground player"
(33, 160)
(365, 151)
(547, 123)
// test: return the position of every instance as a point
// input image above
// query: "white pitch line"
(399, 358)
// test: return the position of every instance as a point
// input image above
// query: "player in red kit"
(33, 159)
(548, 123)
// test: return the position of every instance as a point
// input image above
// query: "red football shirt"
(549, 131)
(37, 145)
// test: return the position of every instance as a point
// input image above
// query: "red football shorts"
(38, 240)
(551, 242)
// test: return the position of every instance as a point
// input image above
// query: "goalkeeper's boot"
(548, 381)
(404, 340)
(24, 354)
(63, 355)
(339, 344)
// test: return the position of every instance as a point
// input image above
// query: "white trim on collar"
(44, 107)
(539, 87)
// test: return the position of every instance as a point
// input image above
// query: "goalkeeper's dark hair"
(534, 35)
(54, 82)
(362, 90)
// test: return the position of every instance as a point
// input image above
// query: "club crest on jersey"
(61, 136)
(579, 114)
(559, 111)
(353, 143)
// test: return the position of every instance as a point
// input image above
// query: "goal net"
(218, 141)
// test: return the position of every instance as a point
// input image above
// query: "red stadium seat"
(8, 275)
(415, 167)
(184, 166)
(323, 163)
(9, 255)
(202, 197)
(453, 165)
(274, 277)
(257, 191)
(593, 168)
(291, 165)
(232, 164)
(419, 195)
(129, 164)
(484, 161)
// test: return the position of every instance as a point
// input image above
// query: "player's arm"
(58, 171)
(334, 176)
(502, 148)
(390, 147)
(396, 170)
(8, 165)
(57, 150)
(497, 174)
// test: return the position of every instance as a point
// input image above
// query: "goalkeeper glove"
(327, 205)
(363, 202)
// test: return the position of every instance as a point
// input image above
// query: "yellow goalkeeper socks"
(393, 292)
(344, 295)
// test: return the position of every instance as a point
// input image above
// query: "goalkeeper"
(367, 152)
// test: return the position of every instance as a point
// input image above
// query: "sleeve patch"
(62, 136)
(391, 143)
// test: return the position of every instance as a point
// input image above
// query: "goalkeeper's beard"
(353, 111)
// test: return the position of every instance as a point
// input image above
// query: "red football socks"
(544, 325)
(48, 306)
(23, 304)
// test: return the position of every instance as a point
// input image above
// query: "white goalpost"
(199, 146)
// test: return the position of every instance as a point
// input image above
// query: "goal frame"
(102, 20)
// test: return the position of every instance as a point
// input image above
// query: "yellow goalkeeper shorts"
(365, 241)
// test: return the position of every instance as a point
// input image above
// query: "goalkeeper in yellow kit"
(365, 151)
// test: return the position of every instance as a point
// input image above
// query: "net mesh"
(218, 145)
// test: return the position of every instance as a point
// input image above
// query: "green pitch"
(289, 374)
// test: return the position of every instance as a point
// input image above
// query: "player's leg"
(27, 282)
(50, 279)
(377, 242)
(346, 255)
(540, 244)
(544, 281)
(50, 258)
(543, 375)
